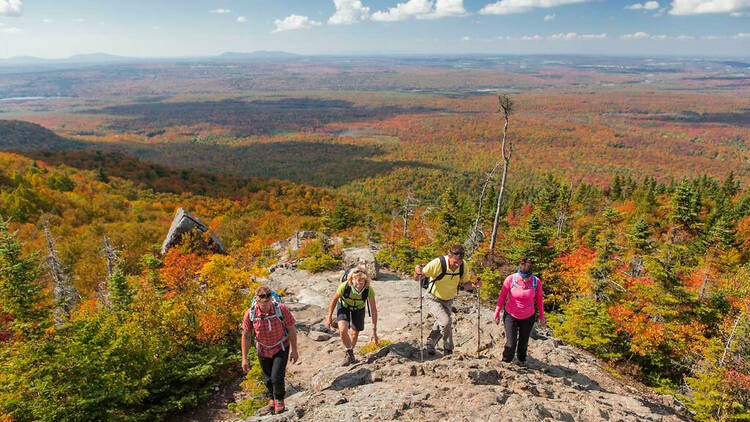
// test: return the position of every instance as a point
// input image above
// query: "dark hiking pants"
(517, 332)
(274, 370)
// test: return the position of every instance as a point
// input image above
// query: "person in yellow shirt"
(444, 273)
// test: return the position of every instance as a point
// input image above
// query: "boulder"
(318, 336)
(294, 242)
(364, 257)
(184, 222)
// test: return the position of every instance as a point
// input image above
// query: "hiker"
(272, 326)
(351, 297)
(445, 273)
(522, 290)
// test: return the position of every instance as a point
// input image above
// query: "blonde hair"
(357, 273)
(263, 288)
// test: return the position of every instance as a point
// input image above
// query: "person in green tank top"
(350, 300)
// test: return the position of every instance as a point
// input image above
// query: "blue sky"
(173, 28)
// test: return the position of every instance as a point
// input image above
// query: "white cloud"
(241, 19)
(532, 38)
(46, 20)
(634, 36)
(660, 37)
(649, 5)
(736, 14)
(741, 35)
(446, 8)
(684, 37)
(549, 17)
(293, 22)
(697, 7)
(466, 38)
(507, 7)
(593, 36)
(11, 7)
(220, 11)
(349, 12)
(402, 11)
(576, 36)
(421, 9)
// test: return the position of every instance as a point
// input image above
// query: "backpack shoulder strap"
(443, 269)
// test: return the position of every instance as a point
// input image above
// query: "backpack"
(348, 292)
(443, 272)
(277, 314)
(534, 280)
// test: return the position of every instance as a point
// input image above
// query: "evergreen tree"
(20, 289)
(120, 293)
(639, 235)
(341, 218)
(684, 206)
(453, 219)
(731, 186)
(534, 244)
(615, 192)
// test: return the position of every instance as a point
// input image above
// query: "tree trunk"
(493, 237)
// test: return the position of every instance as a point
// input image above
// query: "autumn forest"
(628, 182)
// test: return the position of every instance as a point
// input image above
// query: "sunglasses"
(264, 295)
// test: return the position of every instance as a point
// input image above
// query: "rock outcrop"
(364, 257)
(184, 222)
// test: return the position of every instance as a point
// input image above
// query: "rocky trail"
(559, 383)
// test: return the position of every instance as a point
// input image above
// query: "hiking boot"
(522, 363)
(349, 358)
(279, 406)
(267, 410)
(447, 352)
(430, 350)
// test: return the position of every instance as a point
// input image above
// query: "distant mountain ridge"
(101, 58)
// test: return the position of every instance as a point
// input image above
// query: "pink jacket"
(521, 299)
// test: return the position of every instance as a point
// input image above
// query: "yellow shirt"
(446, 287)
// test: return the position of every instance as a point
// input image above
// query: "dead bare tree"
(110, 254)
(407, 210)
(505, 106)
(476, 235)
(65, 294)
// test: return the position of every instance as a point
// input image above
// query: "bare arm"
(247, 341)
(331, 307)
(374, 311)
(294, 352)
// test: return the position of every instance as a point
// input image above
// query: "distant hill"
(17, 135)
(257, 55)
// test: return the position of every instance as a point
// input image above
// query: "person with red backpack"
(520, 292)
(352, 296)
(272, 326)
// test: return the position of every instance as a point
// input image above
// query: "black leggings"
(274, 369)
(517, 332)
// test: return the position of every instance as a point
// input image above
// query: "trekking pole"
(421, 330)
(479, 300)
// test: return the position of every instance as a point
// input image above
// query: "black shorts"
(356, 319)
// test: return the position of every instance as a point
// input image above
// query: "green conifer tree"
(20, 289)
(120, 293)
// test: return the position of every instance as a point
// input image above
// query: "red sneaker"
(279, 406)
(271, 405)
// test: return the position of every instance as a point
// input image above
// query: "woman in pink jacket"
(522, 290)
